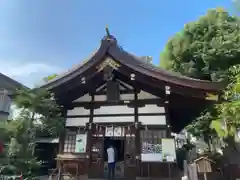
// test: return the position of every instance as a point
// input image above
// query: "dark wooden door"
(96, 169)
(130, 155)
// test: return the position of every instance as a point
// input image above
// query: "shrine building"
(120, 99)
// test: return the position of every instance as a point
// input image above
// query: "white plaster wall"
(146, 95)
(145, 120)
(114, 110)
(152, 120)
(124, 97)
(151, 108)
(78, 111)
(123, 109)
(72, 122)
(113, 119)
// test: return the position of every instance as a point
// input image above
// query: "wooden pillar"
(89, 133)
(168, 125)
(62, 136)
(137, 133)
(63, 133)
(166, 106)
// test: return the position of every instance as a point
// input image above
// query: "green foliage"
(227, 121)
(200, 127)
(209, 49)
(49, 78)
(205, 49)
(17, 156)
(43, 109)
(40, 116)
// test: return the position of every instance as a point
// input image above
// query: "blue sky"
(42, 37)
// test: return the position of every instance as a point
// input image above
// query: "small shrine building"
(121, 99)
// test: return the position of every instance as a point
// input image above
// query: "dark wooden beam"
(127, 91)
(153, 127)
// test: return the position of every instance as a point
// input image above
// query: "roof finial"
(107, 31)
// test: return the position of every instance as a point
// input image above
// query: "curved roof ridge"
(110, 47)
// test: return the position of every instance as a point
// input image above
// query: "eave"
(109, 47)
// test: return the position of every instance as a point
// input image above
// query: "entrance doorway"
(118, 144)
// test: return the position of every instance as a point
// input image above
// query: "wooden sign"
(204, 165)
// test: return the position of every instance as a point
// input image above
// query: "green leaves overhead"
(205, 49)
(227, 121)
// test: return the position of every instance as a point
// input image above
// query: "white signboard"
(169, 150)
(81, 142)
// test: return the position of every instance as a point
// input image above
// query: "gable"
(124, 97)
(8, 84)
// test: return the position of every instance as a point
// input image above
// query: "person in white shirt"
(111, 162)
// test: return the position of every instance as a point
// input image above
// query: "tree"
(205, 49)
(43, 109)
(17, 156)
(200, 128)
(227, 121)
(40, 116)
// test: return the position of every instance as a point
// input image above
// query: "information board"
(81, 142)
(169, 150)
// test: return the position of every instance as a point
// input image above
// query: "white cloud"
(30, 74)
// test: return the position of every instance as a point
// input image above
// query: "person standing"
(111, 162)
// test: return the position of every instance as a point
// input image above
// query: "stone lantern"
(5, 104)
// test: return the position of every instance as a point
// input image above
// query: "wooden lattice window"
(70, 142)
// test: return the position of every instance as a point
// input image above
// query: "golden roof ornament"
(107, 32)
(108, 36)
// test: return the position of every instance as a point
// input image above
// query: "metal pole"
(149, 176)
(169, 171)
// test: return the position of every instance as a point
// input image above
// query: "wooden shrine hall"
(117, 98)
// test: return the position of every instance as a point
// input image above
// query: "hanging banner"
(81, 142)
(114, 132)
(169, 150)
(109, 131)
(118, 132)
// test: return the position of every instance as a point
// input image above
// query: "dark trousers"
(111, 171)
